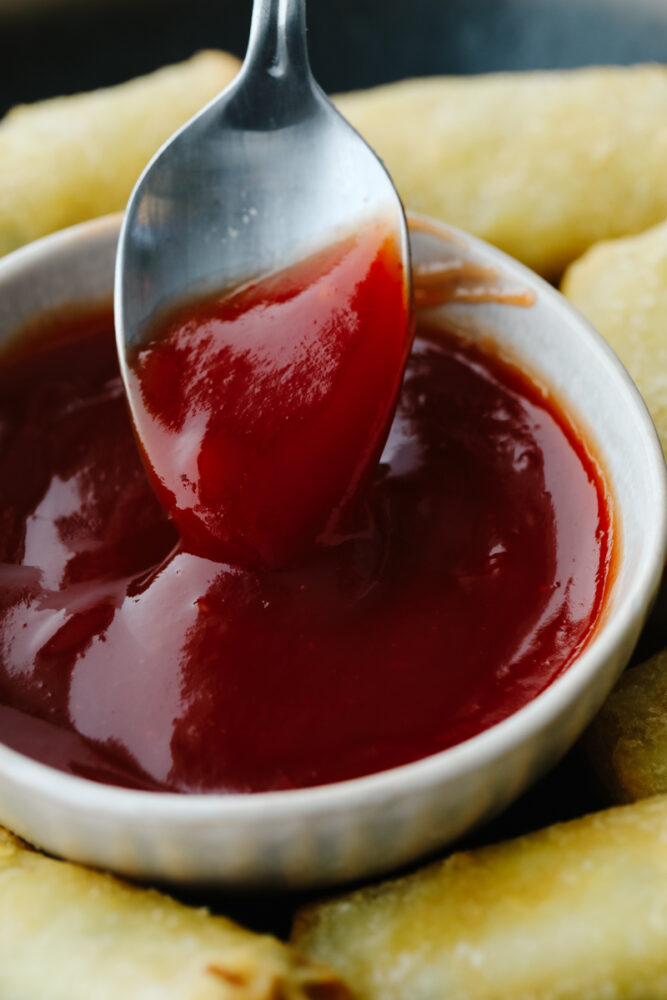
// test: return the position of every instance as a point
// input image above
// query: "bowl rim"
(449, 764)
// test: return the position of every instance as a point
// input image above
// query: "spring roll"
(621, 287)
(574, 912)
(70, 159)
(627, 743)
(67, 933)
(541, 164)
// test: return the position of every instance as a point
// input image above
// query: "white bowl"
(367, 825)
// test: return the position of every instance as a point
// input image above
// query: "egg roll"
(67, 933)
(577, 911)
(542, 164)
(627, 742)
(69, 159)
(621, 287)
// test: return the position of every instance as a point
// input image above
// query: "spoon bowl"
(262, 278)
(265, 175)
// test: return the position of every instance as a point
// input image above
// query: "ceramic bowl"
(362, 827)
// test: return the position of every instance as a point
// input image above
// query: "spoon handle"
(277, 44)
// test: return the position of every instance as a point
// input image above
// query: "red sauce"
(478, 573)
(262, 415)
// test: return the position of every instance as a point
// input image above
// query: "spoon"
(267, 174)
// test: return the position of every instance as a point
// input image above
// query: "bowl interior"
(562, 352)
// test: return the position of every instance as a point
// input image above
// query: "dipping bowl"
(362, 827)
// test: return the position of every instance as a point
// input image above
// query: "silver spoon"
(266, 174)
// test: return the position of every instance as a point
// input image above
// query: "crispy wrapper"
(69, 159)
(574, 912)
(627, 742)
(67, 933)
(621, 287)
(541, 164)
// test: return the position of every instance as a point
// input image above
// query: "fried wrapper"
(574, 912)
(541, 164)
(621, 287)
(627, 742)
(69, 159)
(67, 933)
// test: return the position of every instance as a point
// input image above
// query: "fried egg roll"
(574, 912)
(69, 159)
(542, 164)
(627, 742)
(621, 287)
(68, 933)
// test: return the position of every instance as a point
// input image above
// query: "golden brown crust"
(542, 165)
(627, 742)
(621, 287)
(68, 933)
(574, 912)
(69, 159)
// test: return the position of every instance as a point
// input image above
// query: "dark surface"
(354, 43)
(80, 44)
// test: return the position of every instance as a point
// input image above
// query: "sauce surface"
(475, 575)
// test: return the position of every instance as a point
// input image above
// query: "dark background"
(49, 48)
(54, 47)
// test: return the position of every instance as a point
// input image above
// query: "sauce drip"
(262, 415)
(476, 574)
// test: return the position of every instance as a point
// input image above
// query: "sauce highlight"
(476, 571)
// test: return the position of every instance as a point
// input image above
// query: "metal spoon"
(264, 175)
